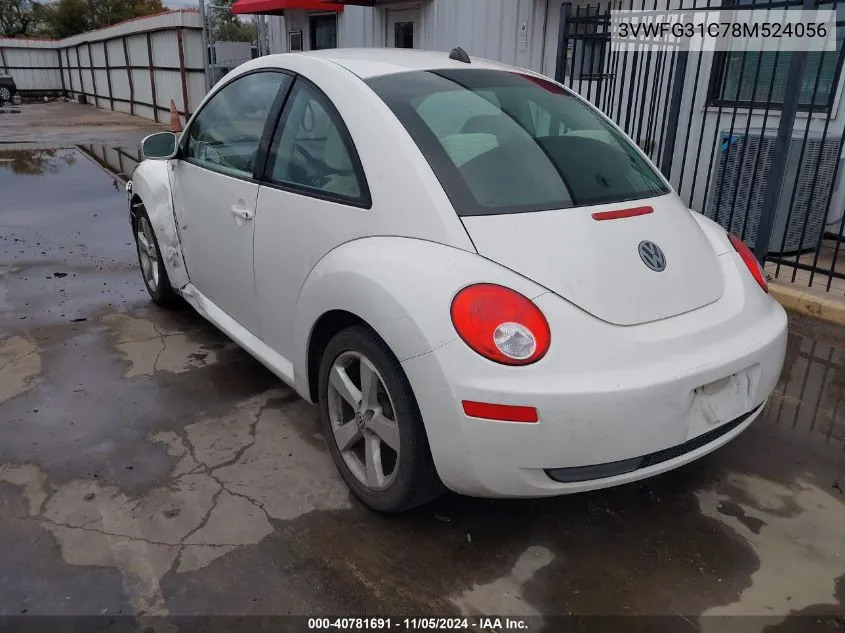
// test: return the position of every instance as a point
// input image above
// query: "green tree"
(16, 17)
(107, 12)
(66, 18)
(225, 26)
(71, 17)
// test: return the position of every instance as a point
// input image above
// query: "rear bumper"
(651, 462)
(605, 394)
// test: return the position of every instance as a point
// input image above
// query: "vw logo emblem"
(652, 256)
(360, 420)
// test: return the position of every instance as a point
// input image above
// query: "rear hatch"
(526, 165)
(596, 263)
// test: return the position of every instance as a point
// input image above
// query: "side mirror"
(160, 146)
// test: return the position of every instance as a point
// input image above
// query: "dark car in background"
(8, 89)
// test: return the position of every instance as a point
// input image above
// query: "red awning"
(272, 7)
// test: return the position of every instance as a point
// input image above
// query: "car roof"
(374, 62)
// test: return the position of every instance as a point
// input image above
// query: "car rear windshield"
(506, 142)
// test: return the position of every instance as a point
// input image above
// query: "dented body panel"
(151, 186)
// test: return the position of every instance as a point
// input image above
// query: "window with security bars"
(746, 78)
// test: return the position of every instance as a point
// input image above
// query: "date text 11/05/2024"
(493, 624)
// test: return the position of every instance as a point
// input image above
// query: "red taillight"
(501, 324)
(750, 260)
(501, 412)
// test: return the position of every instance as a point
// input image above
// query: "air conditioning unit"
(734, 203)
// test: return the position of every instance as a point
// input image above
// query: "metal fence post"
(79, 71)
(668, 149)
(792, 95)
(61, 70)
(205, 52)
(129, 75)
(93, 77)
(108, 72)
(563, 41)
(180, 36)
(152, 76)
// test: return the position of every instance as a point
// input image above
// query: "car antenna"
(460, 55)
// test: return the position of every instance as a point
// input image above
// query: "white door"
(314, 197)
(215, 193)
(403, 29)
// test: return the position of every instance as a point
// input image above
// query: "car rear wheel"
(373, 425)
(5, 94)
(152, 267)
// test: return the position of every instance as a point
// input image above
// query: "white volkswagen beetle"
(480, 279)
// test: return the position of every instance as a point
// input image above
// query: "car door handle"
(242, 213)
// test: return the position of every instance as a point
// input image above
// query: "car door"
(215, 190)
(313, 197)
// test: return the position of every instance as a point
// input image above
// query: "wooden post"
(152, 76)
(129, 76)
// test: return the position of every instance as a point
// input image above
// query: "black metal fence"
(753, 140)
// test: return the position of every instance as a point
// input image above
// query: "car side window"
(312, 151)
(226, 133)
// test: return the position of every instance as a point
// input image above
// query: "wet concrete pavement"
(148, 465)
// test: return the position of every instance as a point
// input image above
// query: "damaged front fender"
(151, 188)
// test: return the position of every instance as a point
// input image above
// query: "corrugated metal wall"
(33, 63)
(360, 26)
(137, 66)
(512, 31)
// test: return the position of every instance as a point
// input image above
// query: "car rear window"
(506, 142)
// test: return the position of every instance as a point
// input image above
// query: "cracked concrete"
(147, 349)
(245, 468)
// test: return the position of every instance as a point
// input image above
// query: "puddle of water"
(809, 396)
(65, 231)
(118, 162)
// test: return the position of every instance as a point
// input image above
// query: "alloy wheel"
(363, 420)
(147, 253)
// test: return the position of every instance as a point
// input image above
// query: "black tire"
(6, 94)
(416, 482)
(162, 294)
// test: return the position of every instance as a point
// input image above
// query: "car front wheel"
(5, 94)
(152, 267)
(373, 425)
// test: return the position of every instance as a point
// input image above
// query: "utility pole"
(206, 52)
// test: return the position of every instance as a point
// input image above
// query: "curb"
(807, 302)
